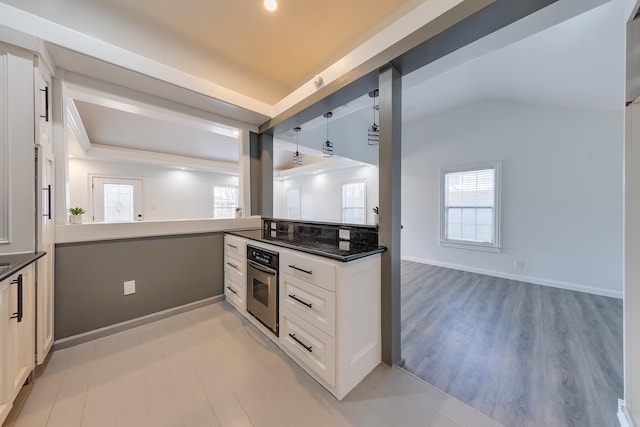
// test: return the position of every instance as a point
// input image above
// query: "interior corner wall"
(561, 194)
(321, 194)
(167, 193)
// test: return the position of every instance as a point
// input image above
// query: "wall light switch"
(130, 287)
(344, 234)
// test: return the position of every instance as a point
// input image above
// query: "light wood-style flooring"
(210, 367)
(524, 354)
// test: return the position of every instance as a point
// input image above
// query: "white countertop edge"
(91, 232)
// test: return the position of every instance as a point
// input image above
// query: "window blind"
(469, 206)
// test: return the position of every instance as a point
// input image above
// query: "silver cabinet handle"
(309, 348)
(232, 246)
(294, 297)
(301, 269)
(232, 265)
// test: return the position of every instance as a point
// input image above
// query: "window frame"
(213, 204)
(342, 207)
(467, 244)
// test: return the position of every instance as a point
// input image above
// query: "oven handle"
(259, 267)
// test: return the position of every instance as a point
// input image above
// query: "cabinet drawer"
(309, 268)
(235, 246)
(309, 346)
(235, 264)
(312, 303)
(235, 291)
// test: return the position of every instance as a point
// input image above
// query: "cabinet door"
(5, 402)
(20, 331)
(44, 318)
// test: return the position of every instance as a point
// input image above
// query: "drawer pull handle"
(232, 246)
(306, 347)
(308, 304)
(232, 290)
(19, 313)
(232, 265)
(301, 269)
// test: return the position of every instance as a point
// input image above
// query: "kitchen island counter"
(343, 251)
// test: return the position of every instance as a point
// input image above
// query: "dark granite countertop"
(11, 263)
(327, 250)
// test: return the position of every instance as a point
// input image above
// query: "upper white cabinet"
(17, 168)
(17, 336)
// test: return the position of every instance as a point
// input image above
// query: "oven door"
(262, 294)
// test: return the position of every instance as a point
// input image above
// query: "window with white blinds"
(470, 207)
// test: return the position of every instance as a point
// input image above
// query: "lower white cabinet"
(334, 317)
(17, 335)
(44, 296)
(311, 348)
(235, 270)
(329, 312)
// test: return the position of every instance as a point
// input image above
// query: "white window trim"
(353, 181)
(497, 245)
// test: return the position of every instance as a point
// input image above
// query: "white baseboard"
(623, 416)
(129, 324)
(520, 278)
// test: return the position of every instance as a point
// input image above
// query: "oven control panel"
(262, 256)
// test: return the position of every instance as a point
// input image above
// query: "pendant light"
(373, 133)
(327, 147)
(297, 157)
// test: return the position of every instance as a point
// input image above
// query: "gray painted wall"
(169, 271)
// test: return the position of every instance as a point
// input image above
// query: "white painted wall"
(321, 194)
(561, 191)
(167, 193)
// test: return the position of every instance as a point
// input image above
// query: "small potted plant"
(238, 212)
(375, 211)
(76, 215)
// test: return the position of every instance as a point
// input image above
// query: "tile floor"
(210, 367)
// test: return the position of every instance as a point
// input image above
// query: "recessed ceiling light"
(270, 5)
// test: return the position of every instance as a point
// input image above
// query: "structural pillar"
(261, 173)
(390, 90)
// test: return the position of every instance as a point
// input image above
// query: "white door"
(116, 199)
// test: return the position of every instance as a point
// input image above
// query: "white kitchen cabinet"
(337, 324)
(329, 311)
(45, 214)
(309, 302)
(17, 335)
(235, 272)
(310, 347)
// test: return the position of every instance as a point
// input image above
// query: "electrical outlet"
(130, 287)
(344, 234)
(518, 263)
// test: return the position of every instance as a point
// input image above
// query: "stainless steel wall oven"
(262, 286)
